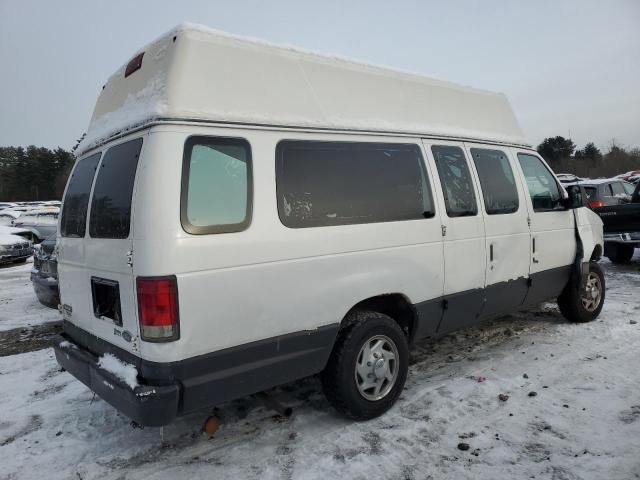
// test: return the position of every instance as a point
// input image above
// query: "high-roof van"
(242, 215)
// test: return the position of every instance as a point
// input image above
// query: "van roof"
(196, 73)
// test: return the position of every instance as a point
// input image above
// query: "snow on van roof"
(196, 73)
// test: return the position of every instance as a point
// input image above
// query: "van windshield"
(111, 202)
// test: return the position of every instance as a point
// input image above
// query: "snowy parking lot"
(531, 395)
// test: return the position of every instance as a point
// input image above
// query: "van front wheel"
(368, 366)
(584, 303)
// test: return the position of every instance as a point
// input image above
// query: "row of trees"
(33, 173)
(589, 161)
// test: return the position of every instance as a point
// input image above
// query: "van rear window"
(340, 183)
(74, 212)
(111, 202)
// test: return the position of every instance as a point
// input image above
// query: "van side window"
(342, 183)
(543, 188)
(76, 201)
(112, 195)
(455, 178)
(216, 185)
(497, 181)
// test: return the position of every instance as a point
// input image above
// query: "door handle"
(534, 244)
(491, 252)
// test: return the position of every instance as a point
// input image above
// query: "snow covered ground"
(19, 306)
(583, 422)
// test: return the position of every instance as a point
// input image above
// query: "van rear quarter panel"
(269, 280)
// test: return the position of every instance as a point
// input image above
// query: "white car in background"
(7, 217)
(568, 178)
(41, 222)
(15, 245)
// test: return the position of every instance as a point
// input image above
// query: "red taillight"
(134, 65)
(596, 204)
(158, 308)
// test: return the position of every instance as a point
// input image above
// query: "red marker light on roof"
(134, 65)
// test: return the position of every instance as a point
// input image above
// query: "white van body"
(262, 303)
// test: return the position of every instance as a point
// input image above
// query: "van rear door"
(97, 285)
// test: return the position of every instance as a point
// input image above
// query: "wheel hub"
(376, 367)
(380, 368)
(592, 293)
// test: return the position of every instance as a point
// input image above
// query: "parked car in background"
(627, 175)
(44, 275)
(7, 217)
(4, 205)
(618, 204)
(14, 248)
(568, 178)
(41, 222)
(605, 192)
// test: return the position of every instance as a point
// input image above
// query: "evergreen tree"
(558, 148)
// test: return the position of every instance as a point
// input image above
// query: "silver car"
(42, 223)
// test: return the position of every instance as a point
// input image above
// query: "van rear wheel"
(368, 366)
(584, 303)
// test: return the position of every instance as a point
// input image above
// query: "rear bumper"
(47, 291)
(623, 237)
(149, 405)
(172, 389)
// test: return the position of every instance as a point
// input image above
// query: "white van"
(243, 215)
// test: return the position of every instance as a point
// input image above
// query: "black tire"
(571, 303)
(619, 253)
(339, 376)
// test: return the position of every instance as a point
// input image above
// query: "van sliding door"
(506, 248)
(463, 235)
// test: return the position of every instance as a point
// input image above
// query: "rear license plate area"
(106, 300)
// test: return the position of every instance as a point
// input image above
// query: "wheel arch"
(395, 305)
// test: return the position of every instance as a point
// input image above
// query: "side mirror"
(576, 198)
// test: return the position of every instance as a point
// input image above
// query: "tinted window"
(543, 188)
(76, 200)
(111, 202)
(216, 185)
(331, 183)
(496, 179)
(455, 178)
(592, 192)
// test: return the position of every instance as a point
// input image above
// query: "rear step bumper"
(148, 405)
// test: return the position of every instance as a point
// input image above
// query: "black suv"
(618, 204)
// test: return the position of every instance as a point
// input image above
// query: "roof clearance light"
(134, 65)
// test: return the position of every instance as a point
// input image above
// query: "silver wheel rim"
(592, 293)
(377, 367)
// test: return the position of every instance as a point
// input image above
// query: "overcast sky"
(569, 67)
